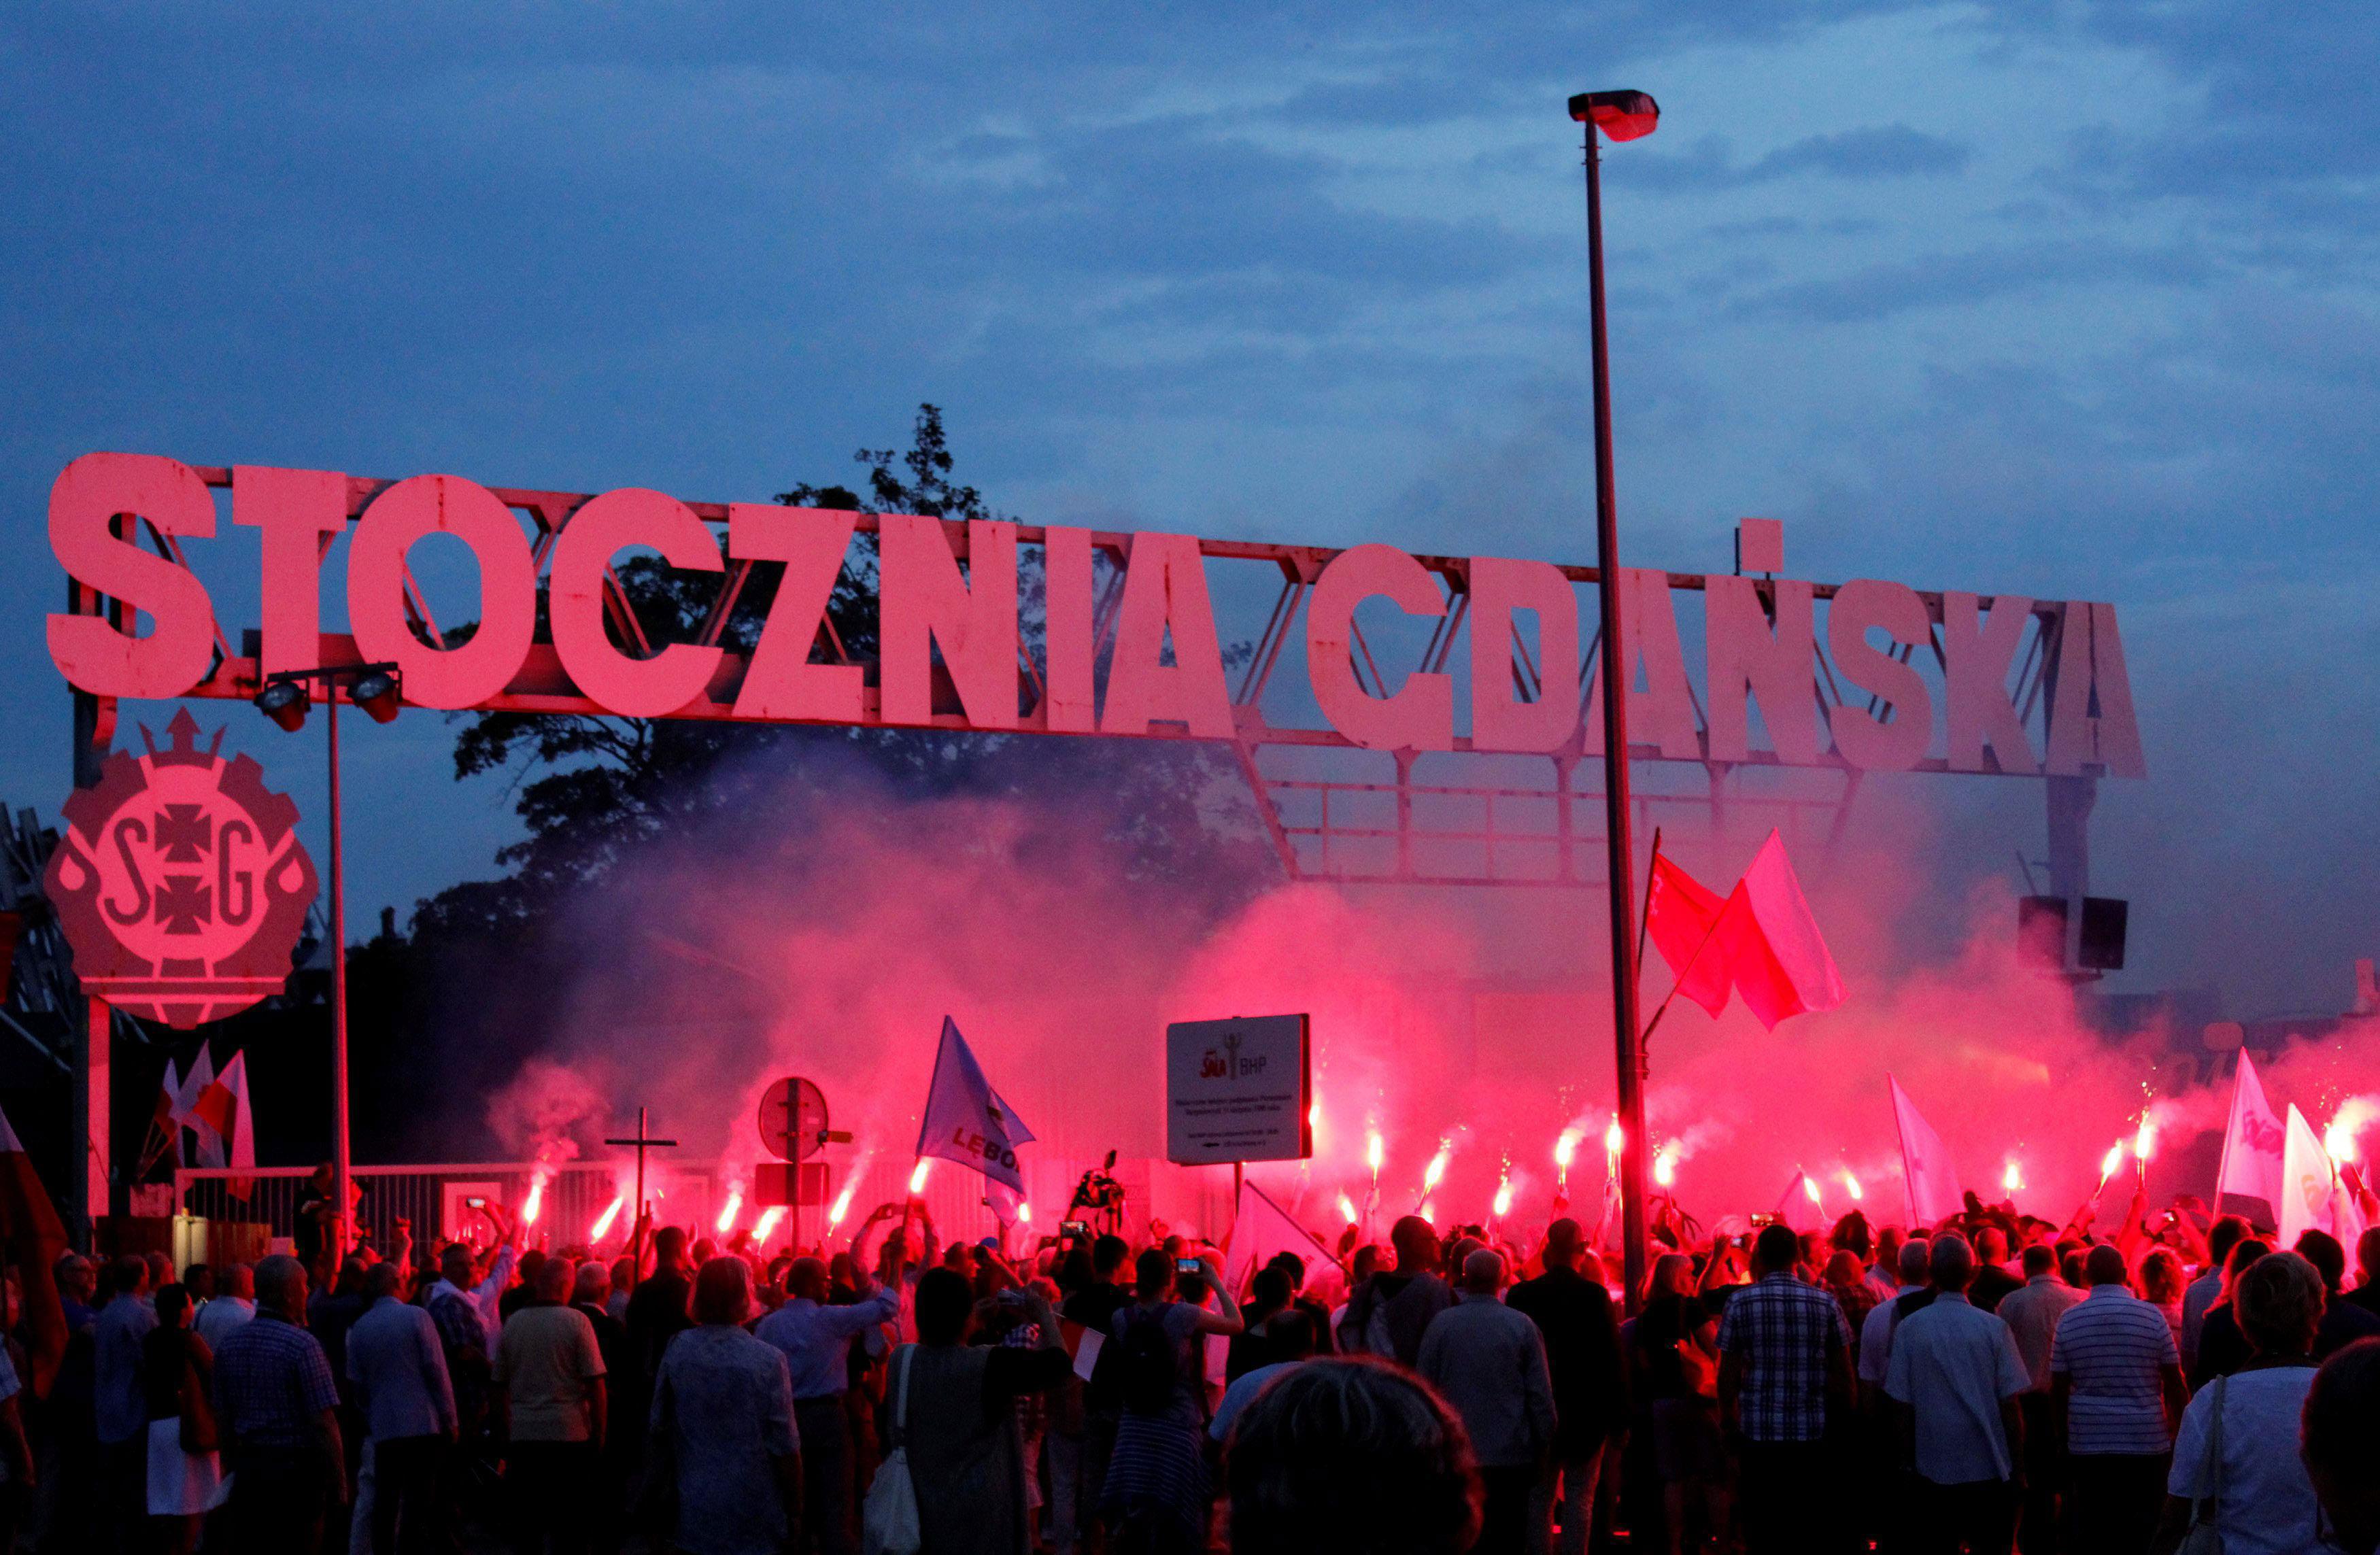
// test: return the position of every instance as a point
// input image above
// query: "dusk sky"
(2077, 300)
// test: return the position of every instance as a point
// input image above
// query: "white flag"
(243, 1133)
(1925, 1167)
(2253, 1140)
(2306, 1182)
(1262, 1231)
(965, 1119)
(2346, 1214)
(1781, 963)
(1798, 1206)
(172, 1088)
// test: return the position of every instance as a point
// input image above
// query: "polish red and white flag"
(1762, 941)
(222, 1106)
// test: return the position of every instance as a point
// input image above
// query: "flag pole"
(910, 1207)
(1644, 917)
(2223, 1160)
(1628, 1044)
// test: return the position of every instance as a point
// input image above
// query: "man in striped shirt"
(2118, 1379)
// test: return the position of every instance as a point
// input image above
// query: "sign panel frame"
(1224, 1098)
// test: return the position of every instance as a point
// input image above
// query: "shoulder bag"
(889, 1523)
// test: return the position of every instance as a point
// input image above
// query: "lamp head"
(1622, 116)
(287, 703)
(377, 692)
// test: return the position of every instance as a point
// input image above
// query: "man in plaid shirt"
(278, 1409)
(1784, 1360)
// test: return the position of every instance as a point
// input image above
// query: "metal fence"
(575, 1194)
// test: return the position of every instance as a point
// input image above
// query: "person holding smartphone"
(1156, 1487)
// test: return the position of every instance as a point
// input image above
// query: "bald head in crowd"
(1483, 1273)
(281, 1286)
(592, 1285)
(77, 1279)
(1563, 1240)
(553, 1278)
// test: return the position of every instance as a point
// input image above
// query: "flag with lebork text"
(965, 1119)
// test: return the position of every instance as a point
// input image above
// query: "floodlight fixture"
(1622, 116)
(377, 692)
(287, 703)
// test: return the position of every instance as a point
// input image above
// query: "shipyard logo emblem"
(179, 881)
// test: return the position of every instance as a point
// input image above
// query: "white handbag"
(888, 1523)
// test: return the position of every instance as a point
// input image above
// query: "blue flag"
(965, 1119)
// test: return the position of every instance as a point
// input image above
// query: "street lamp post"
(1624, 116)
(376, 688)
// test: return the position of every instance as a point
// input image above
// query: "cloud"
(1893, 151)
(1962, 281)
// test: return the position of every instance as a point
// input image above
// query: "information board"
(1238, 1089)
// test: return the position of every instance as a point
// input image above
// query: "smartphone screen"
(1189, 1266)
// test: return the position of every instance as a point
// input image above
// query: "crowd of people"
(1990, 1383)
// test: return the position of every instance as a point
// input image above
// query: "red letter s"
(89, 650)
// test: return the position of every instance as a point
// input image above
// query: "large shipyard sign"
(995, 625)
